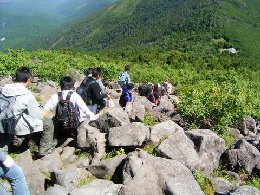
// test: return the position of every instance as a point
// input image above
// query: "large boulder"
(135, 111)
(34, 177)
(106, 168)
(221, 186)
(112, 117)
(164, 110)
(99, 187)
(242, 155)
(162, 130)
(146, 174)
(133, 134)
(56, 190)
(179, 147)
(209, 146)
(246, 124)
(245, 190)
(71, 177)
(148, 106)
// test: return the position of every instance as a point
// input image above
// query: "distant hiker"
(124, 77)
(96, 99)
(14, 174)
(156, 94)
(145, 90)
(126, 95)
(99, 81)
(83, 88)
(71, 110)
(168, 86)
(21, 115)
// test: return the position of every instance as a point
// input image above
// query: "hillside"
(188, 26)
(25, 21)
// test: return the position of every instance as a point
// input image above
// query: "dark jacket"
(95, 92)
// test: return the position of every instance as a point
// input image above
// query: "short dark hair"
(89, 71)
(130, 86)
(127, 67)
(22, 74)
(95, 73)
(66, 83)
(99, 70)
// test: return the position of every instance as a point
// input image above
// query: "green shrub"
(149, 119)
(113, 153)
(205, 183)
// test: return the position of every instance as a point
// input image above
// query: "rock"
(245, 190)
(49, 163)
(221, 186)
(242, 155)
(179, 147)
(247, 124)
(209, 146)
(67, 153)
(71, 177)
(148, 106)
(83, 162)
(135, 111)
(5, 80)
(106, 168)
(76, 75)
(98, 186)
(56, 190)
(163, 111)
(114, 85)
(146, 174)
(133, 134)
(112, 117)
(34, 177)
(163, 130)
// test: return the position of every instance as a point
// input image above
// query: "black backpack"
(82, 90)
(145, 90)
(67, 115)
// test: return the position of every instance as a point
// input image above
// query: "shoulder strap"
(69, 95)
(60, 96)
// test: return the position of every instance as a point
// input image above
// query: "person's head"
(89, 72)
(130, 86)
(95, 74)
(127, 68)
(66, 83)
(23, 75)
(99, 71)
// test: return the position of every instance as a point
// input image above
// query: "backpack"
(145, 90)
(7, 117)
(66, 116)
(122, 79)
(82, 90)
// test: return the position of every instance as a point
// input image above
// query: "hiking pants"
(15, 176)
(47, 135)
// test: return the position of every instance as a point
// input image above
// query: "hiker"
(72, 114)
(155, 94)
(96, 100)
(168, 86)
(82, 89)
(99, 81)
(14, 174)
(24, 116)
(126, 95)
(124, 77)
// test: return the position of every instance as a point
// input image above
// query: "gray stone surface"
(56, 190)
(133, 134)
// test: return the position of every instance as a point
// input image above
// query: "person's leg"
(93, 108)
(47, 143)
(3, 191)
(15, 175)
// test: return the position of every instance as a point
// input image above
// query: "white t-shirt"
(76, 100)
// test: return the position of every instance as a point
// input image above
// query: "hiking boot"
(49, 150)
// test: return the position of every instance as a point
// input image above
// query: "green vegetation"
(205, 183)
(113, 153)
(86, 181)
(254, 181)
(149, 119)
(81, 153)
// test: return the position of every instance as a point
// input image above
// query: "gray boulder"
(209, 146)
(242, 155)
(246, 124)
(148, 106)
(164, 110)
(106, 168)
(56, 190)
(146, 174)
(135, 111)
(82, 134)
(71, 177)
(112, 117)
(245, 190)
(99, 187)
(179, 147)
(34, 177)
(49, 163)
(163, 130)
(133, 134)
(221, 186)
